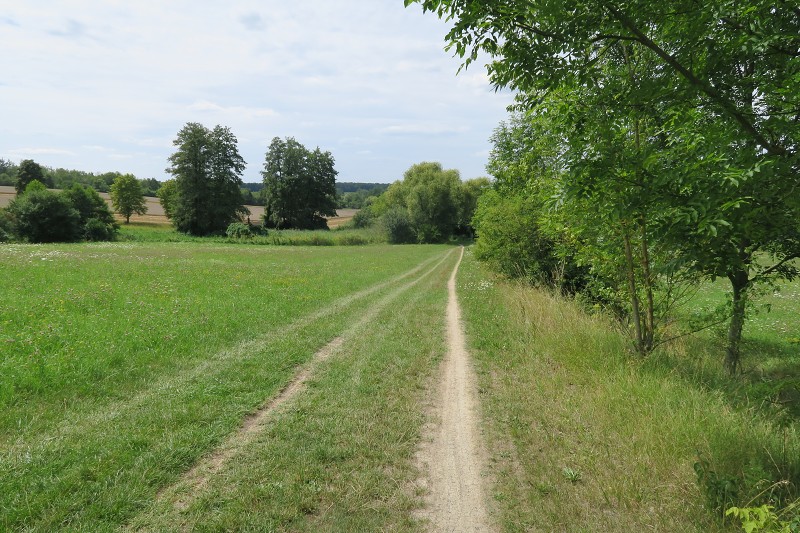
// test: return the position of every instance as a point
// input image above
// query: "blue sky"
(106, 85)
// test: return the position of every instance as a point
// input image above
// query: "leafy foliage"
(239, 230)
(435, 200)
(672, 131)
(27, 172)
(168, 197)
(127, 197)
(95, 218)
(299, 186)
(398, 227)
(207, 168)
(44, 216)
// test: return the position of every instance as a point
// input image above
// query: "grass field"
(339, 236)
(203, 385)
(587, 438)
(125, 363)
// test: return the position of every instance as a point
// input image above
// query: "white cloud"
(343, 75)
(32, 152)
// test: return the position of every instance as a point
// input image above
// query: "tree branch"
(703, 85)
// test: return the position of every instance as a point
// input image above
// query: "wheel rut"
(194, 481)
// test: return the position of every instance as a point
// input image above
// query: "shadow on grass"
(742, 469)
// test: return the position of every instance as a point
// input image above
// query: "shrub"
(397, 224)
(98, 230)
(94, 212)
(45, 216)
(34, 185)
(512, 242)
(363, 219)
(6, 227)
(239, 230)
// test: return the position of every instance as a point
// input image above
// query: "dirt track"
(453, 457)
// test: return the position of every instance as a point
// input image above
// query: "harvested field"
(155, 213)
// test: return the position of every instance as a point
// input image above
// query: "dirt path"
(452, 458)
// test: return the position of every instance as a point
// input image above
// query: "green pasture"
(124, 363)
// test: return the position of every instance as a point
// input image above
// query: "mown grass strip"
(97, 477)
(584, 438)
(340, 456)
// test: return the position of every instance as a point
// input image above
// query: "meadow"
(139, 379)
(124, 363)
(586, 436)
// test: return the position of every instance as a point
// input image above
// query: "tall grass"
(585, 437)
(345, 236)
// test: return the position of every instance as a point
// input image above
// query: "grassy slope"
(123, 364)
(560, 394)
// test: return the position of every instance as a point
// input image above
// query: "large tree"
(721, 87)
(432, 201)
(207, 168)
(127, 197)
(299, 185)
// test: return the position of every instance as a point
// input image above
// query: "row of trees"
(61, 178)
(657, 141)
(205, 194)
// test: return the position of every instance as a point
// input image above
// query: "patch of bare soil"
(452, 453)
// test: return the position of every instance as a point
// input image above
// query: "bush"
(6, 226)
(98, 230)
(397, 224)
(239, 230)
(363, 218)
(96, 219)
(45, 216)
(512, 242)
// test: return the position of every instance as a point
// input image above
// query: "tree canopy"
(28, 171)
(665, 134)
(207, 169)
(299, 185)
(127, 197)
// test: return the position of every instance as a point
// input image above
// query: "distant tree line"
(61, 178)
(358, 195)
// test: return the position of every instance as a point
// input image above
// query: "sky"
(106, 85)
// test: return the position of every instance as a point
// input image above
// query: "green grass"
(344, 236)
(341, 457)
(562, 394)
(125, 363)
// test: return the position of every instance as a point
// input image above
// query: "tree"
(28, 171)
(432, 198)
(126, 196)
(207, 168)
(299, 185)
(95, 218)
(724, 81)
(168, 197)
(44, 216)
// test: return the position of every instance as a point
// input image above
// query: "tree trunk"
(739, 282)
(629, 268)
(649, 335)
